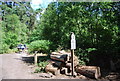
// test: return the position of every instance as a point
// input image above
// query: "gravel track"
(12, 67)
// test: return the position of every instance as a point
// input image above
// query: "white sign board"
(73, 41)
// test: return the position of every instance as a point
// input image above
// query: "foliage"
(1, 37)
(15, 50)
(83, 55)
(95, 24)
(11, 39)
(39, 46)
(37, 70)
(4, 48)
(14, 23)
(42, 64)
(41, 67)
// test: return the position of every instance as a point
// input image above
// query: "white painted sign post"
(73, 46)
(73, 42)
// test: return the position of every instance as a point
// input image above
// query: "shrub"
(83, 55)
(39, 46)
(11, 39)
(14, 50)
(41, 67)
(4, 49)
(37, 70)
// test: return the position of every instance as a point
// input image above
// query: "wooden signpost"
(35, 57)
(73, 46)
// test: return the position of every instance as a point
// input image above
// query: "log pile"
(60, 63)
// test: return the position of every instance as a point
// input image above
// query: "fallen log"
(64, 52)
(89, 71)
(58, 63)
(64, 58)
(55, 53)
(50, 68)
(64, 70)
(68, 65)
(61, 58)
(60, 52)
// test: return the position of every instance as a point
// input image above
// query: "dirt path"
(12, 67)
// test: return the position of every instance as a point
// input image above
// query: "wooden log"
(64, 52)
(64, 71)
(60, 53)
(58, 63)
(58, 59)
(50, 68)
(65, 59)
(55, 53)
(68, 65)
(89, 71)
(62, 58)
(61, 65)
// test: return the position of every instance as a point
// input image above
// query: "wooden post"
(72, 61)
(35, 58)
(73, 46)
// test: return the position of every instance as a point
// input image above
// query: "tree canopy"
(95, 24)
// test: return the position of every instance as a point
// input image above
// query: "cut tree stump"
(89, 71)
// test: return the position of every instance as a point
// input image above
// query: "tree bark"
(54, 70)
(61, 58)
(89, 71)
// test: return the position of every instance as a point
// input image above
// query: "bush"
(11, 39)
(14, 50)
(39, 46)
(41, 67)
(37, 70)
(4, 49)
(83, 55)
